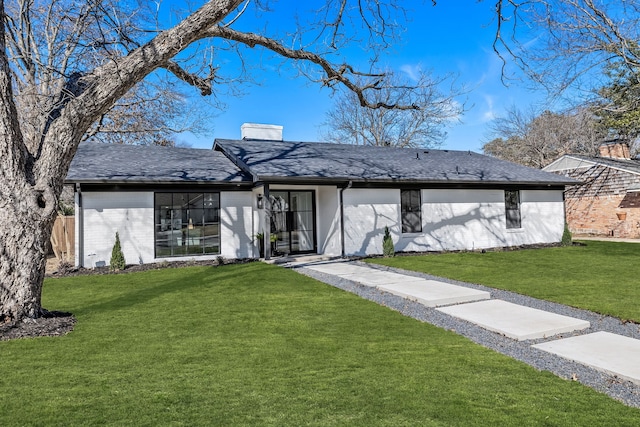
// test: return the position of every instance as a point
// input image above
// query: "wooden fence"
(63, 238)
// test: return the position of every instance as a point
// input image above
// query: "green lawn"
(256, 344)
(603, 277)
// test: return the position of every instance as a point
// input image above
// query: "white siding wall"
(236, 224)
(451, 220)
(128, 213)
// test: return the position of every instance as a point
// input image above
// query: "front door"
(293, 221)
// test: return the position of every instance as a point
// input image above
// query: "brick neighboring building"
(608, 201)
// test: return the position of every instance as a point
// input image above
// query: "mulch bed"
(53, 323)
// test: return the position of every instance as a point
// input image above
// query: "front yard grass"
(256, 344)
(603, 277)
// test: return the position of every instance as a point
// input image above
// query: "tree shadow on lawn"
(134, 294)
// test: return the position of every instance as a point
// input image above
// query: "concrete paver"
(338, 268)
(432, 293)
(610, 353)
(604, 351)
(515, 321)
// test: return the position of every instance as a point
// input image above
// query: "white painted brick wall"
(366, 213)
(236, 224)
(451, 220)
(328, 220)
(131, 214)
(128, 213)
(542, 215)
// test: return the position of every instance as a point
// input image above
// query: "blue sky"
(453, 37)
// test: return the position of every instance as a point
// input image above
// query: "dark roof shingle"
(312, 160)
(98, 163)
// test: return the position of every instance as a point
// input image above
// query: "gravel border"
(619, 389)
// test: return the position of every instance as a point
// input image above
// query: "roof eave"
(155, 181)
(400, 181)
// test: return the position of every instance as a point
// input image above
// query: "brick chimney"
(260, 131)
(615, 150)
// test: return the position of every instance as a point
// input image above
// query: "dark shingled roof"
(281, 161)
(112, 163)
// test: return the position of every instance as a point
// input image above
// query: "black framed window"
(411, 211)
(187, 224)
(512, 208)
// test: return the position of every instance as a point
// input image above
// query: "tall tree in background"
(348, 122)
(618, 102)
(569, 43)
(575, 45)
(538, 139)
(53, 94)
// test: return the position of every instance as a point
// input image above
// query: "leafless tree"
(536, 140)
(51, 95)
(150, 114)
(41, 49)
(348, 122)
(568, 43)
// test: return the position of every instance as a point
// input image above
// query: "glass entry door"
(293, 221)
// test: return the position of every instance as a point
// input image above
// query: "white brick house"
(178, 203)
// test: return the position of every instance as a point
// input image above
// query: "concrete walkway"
(603, 351)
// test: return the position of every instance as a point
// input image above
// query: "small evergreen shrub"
(567, 239)
(387, 244)
(117, 257)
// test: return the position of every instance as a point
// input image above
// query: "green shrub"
(567, 239)
(117, 257)
(64, 209)
(387, 244)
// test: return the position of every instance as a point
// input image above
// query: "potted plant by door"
(274, 243)
(260, 238)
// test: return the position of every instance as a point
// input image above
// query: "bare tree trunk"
(22, 258)
(34, 169)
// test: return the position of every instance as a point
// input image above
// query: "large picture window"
(411, 208)
(512, 208)
(187, 224)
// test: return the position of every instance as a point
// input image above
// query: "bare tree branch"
(204, 84)
(343, 74)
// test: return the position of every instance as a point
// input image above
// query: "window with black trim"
(411, 211)
(512, 208)
(187, 224)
